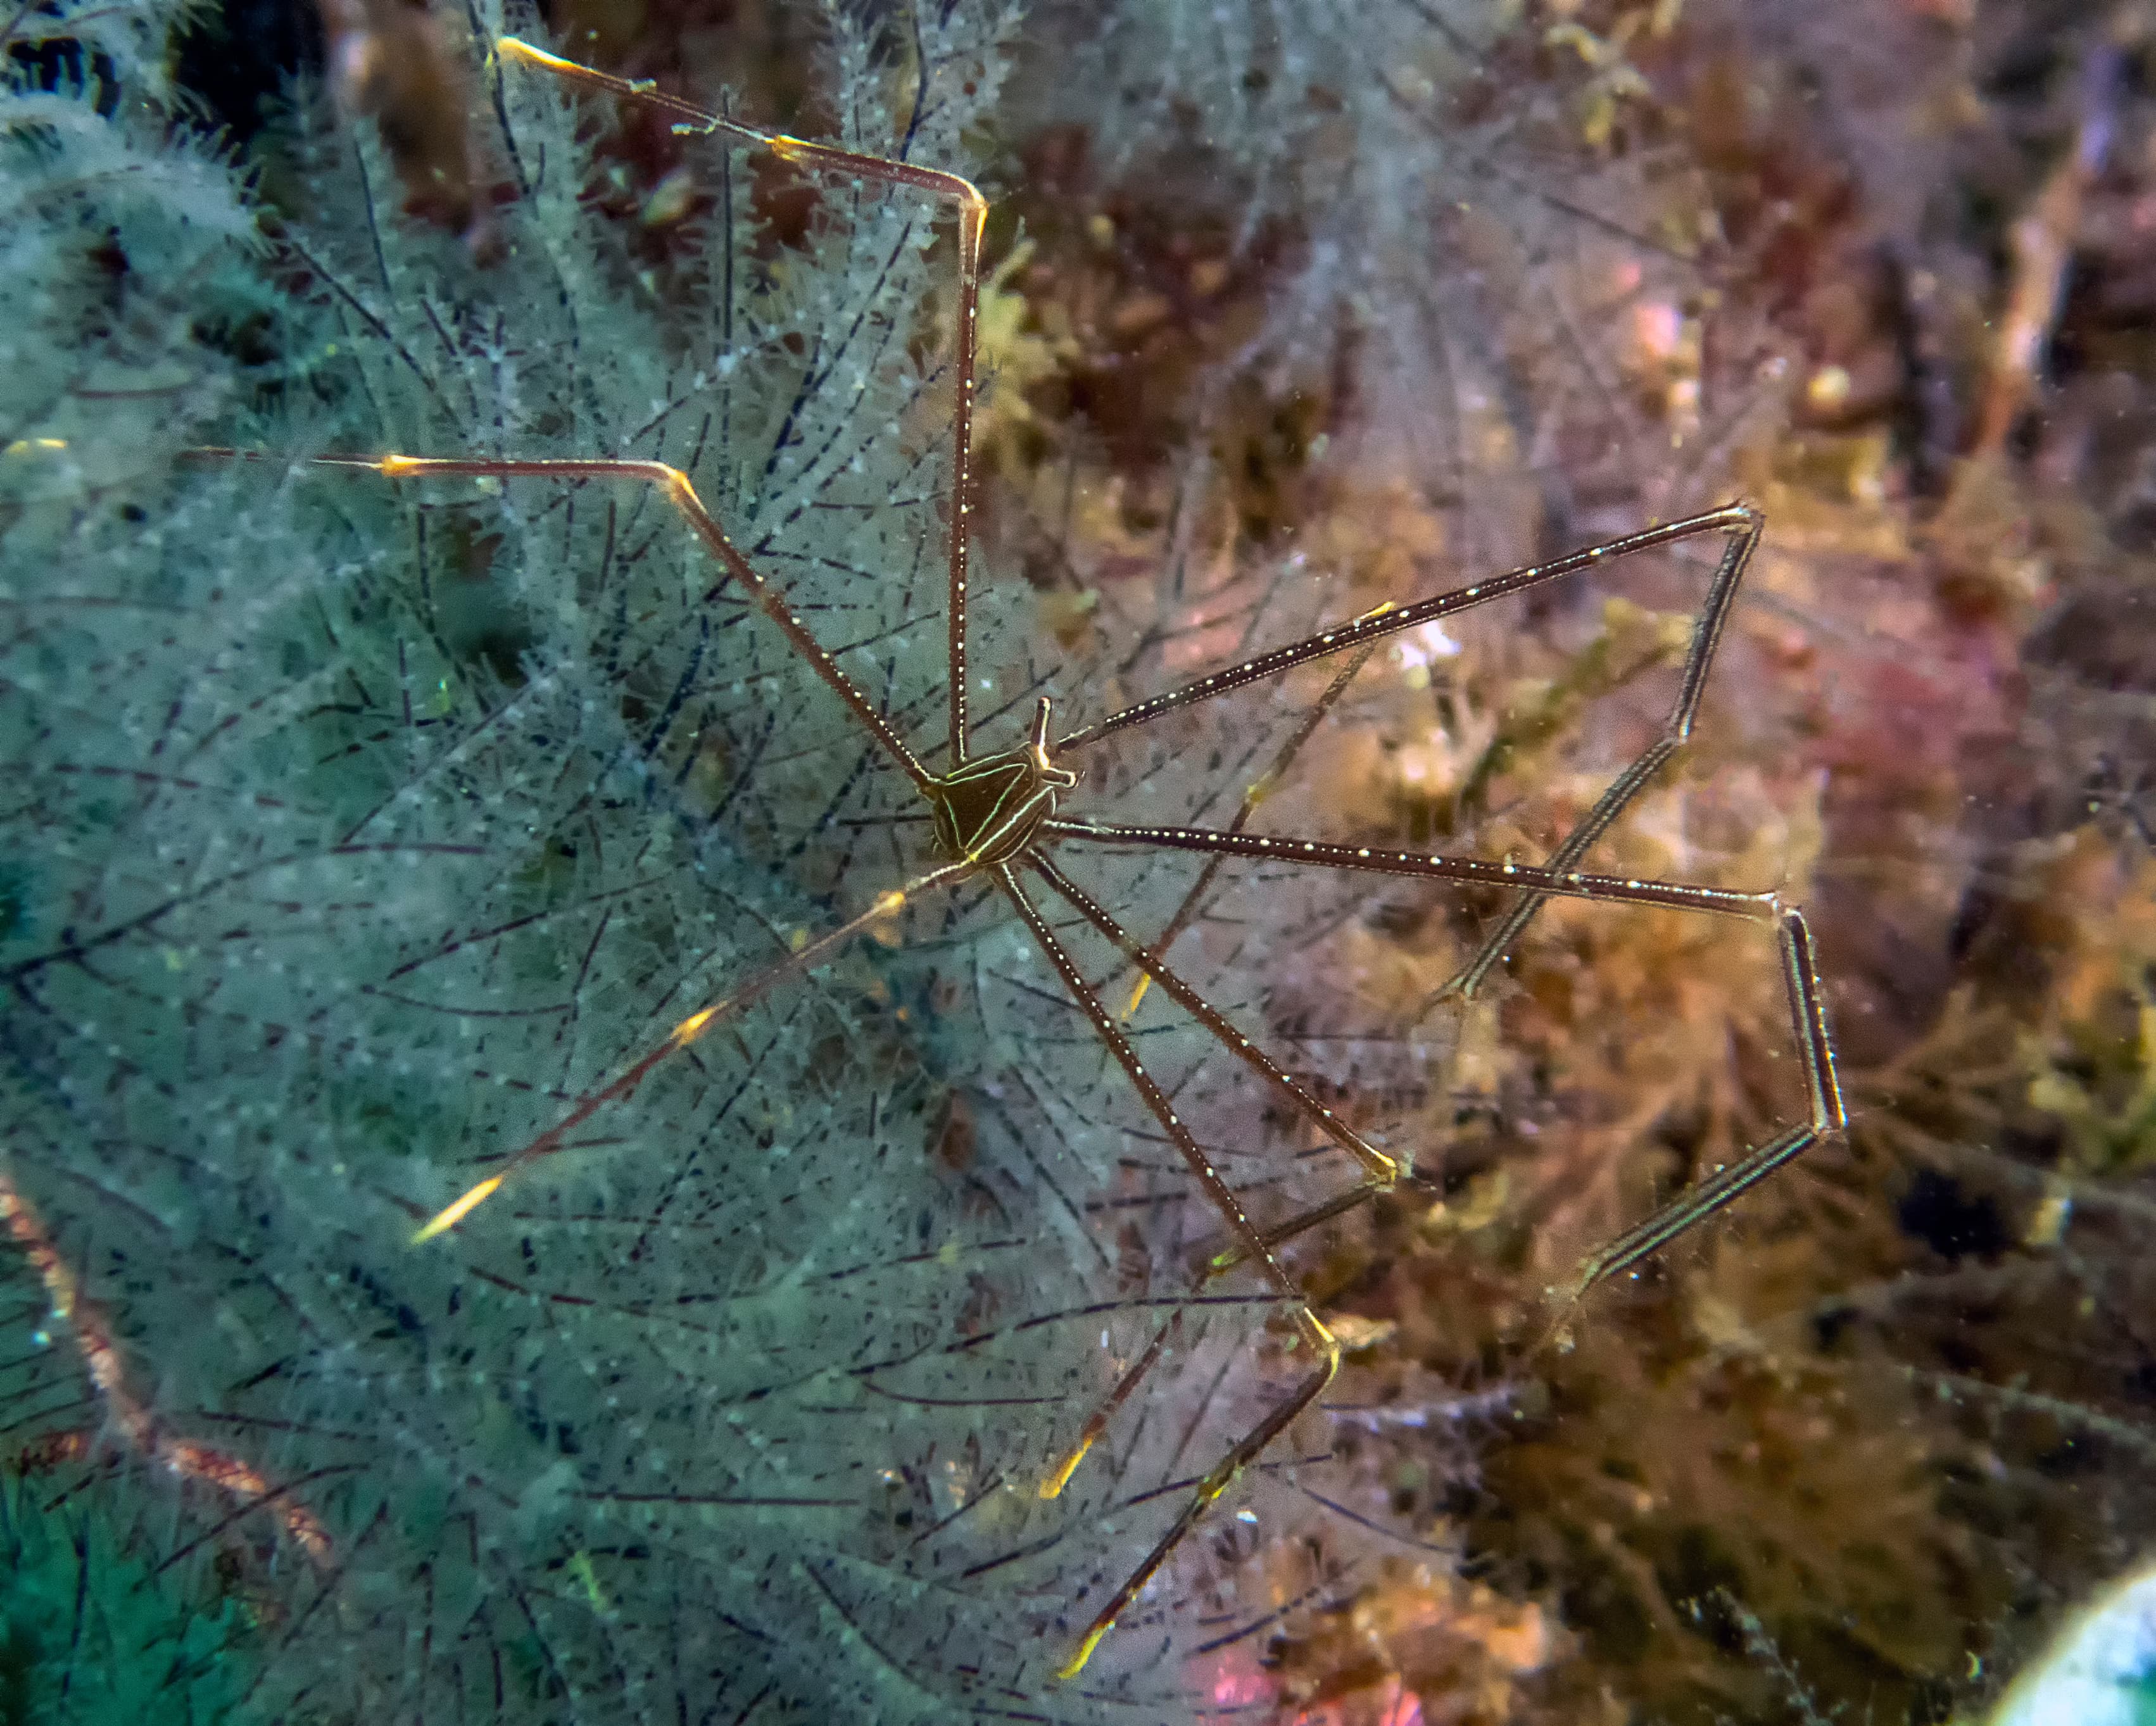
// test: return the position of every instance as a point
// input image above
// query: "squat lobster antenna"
(131, 1419)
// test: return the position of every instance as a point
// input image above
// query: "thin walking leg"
(1255, 794)
(1800, 974)
(1828, 1116)
(816, 953)
(829, 159)
(1382, 1173)
(1676, 731)
(1308, 1323)
(769, 597)
(1375, 626)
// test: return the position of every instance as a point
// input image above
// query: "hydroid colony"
(331, 883)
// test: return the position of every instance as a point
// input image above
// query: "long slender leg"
(1247, 1451)
(1736, 518)
(1379, 1167)
(1308, 1323)
(1255, 794)
(850, 164)
(1807, 1004)
(1808, 1008)
(1475, 871)
(769, 597)
(1382, 1173)
(1104, 1414)
(807, 959)
(1676, 730)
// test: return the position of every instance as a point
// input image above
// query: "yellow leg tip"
(691, 1028)
(512, 48)
(1137, 993)
(1076, 1664)
(1053, 1486)
(447, 1220)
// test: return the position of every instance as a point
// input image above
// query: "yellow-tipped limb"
(1076, 1664)
(805, 954)
(449, 1216)
(510, 47)
(1052, 1488)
